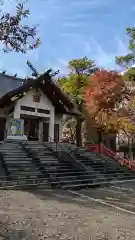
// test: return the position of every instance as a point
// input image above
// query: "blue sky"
(72, 29)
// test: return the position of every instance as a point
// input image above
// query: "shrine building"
(33, 108)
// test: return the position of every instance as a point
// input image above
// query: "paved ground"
(120, 195)
(63, 215)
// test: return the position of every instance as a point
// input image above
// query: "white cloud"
(62, 61)
(93, 50)
(104, 58)
(80, 3)
(62, 65)
(69, 34)
(133, 8)
(121, 46)
(73, 24)
(8, 6)
(89, 3)
(32, 55)
(77, 17)
(67, 15)
(87, 47)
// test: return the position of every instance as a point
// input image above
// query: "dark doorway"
(2, 128)
(31, 128)
(56, 132)
(113, 144)
(45, 132)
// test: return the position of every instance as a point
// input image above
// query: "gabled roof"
(59, 99)
(8, 83)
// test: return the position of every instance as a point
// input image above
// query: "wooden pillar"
(51, 126)
(40, 133)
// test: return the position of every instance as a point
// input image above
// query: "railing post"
(99, 150)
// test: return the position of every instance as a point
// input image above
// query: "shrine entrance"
(31, 128)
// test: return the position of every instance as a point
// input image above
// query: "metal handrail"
(66, 150)
(122, 161)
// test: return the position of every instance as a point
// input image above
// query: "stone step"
(52, 163)
(29, 173)
(20, 168)
(19, 163)
(86, 177)
(75, 181)
(12, 151)
(24, 174)
(35, 173)
(17, 158)
(67, 179)
(37, 148)
(8, 154)
(24, 185)
(10, 145)
(22, 159)
(96, 166)
(45, 154)
(71, 170)
(51, 158)
(94, 184)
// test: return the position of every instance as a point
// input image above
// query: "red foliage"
(104, 89)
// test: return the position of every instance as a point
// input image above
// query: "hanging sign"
(17, 127)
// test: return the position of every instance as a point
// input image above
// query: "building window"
(29, 109)
(44, 111)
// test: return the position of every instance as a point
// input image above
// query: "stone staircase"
(60, 170)
(102, 170)
(20, 168)
(51, 165)
(101, 163)
(3, 171)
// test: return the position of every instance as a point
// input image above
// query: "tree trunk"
(130, 148)
(78, 120)
(78, 132)
(99, 135)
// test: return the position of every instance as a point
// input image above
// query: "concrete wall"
(27, 101)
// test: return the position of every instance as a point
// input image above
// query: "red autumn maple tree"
(104, 90)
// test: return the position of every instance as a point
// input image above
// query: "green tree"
(74, 83)
(128, 60)
(69, 126)
(16, 36)
(129, 75)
